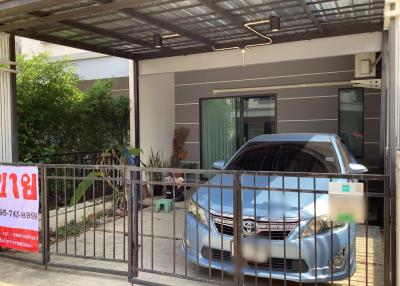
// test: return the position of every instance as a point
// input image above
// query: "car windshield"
(316, 157)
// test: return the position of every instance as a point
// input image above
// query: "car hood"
(217, 195)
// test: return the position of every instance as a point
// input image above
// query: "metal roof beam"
(168, 26)
(76, 44)
(70, 14)
(338, 30)
(98, 31)
(108, 33)
(310, 15)
(25, 6)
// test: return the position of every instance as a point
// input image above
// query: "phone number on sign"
(19, 214)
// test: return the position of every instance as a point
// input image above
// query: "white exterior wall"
(299, 50)
(157, 113)
(29, 46)
(5, 103)
(89, 65)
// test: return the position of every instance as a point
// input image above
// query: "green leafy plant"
(155, 160)
(56, 116)
(107, 158)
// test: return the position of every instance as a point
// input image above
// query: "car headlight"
(319, 225)
(197, 211)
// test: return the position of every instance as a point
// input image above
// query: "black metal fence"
(81, 158)
(245, 228)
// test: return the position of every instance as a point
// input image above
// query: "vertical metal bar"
(185, 224)
(56, 201)
(331, 247)
(13, 101)
(84, 218)
(125, 188)
(65, 212)
(173, 224)
(130, 235)
(135, 217)
(269, 230)
(94, 214)
(75, 202)
(315, 233)
(366, 230)
(152, 226)
(221, 231)
(45, 217)
(349, 256)
(386, 227)
(284, 231)
(256, 223)
(113, 207)
(197, 228)
(141, 220)
(209, 231)
(237, 229)
(104, 219)
(299, 222)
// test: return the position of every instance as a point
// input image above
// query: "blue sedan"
(284, 234)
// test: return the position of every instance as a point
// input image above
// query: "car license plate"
(253, 250)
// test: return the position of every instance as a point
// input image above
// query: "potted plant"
(155, 160)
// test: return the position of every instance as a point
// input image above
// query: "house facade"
(225, 103)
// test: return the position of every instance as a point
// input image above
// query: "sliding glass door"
(228, 123)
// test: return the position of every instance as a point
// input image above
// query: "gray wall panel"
(372, 104)
(267, 70)
(310, 108)
(186, 113)
(298, 110)
(324, 126)
(193, 152)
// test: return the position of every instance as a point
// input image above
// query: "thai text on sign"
(19, 208)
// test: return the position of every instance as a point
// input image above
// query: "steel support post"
(237, 230)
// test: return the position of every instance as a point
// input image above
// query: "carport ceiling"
(125, 28)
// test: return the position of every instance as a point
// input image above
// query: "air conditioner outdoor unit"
(365, 65)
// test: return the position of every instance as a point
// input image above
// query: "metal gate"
(228, 227)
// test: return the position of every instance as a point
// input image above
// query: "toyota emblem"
(249, 227)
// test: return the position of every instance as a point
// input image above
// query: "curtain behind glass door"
(218, 130)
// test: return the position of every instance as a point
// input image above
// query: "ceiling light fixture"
(275, 23)
(157, 41)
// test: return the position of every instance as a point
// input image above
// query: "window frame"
(273, 95)
(363, 119)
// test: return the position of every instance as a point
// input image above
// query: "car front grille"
(273, 264)
(265, 229)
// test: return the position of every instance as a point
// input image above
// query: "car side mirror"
(355, 168)
(218, 165)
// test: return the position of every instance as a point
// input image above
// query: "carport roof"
(125, 28)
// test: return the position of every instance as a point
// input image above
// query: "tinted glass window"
(318, 157)
(351, 119)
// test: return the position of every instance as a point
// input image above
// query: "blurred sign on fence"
(19, 208)
(346, 202)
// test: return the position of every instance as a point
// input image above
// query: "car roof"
(295, 137)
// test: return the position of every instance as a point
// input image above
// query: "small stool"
(164, 204)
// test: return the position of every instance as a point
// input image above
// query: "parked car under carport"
(286, 235)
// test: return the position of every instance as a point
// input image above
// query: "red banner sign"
(19, 208)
